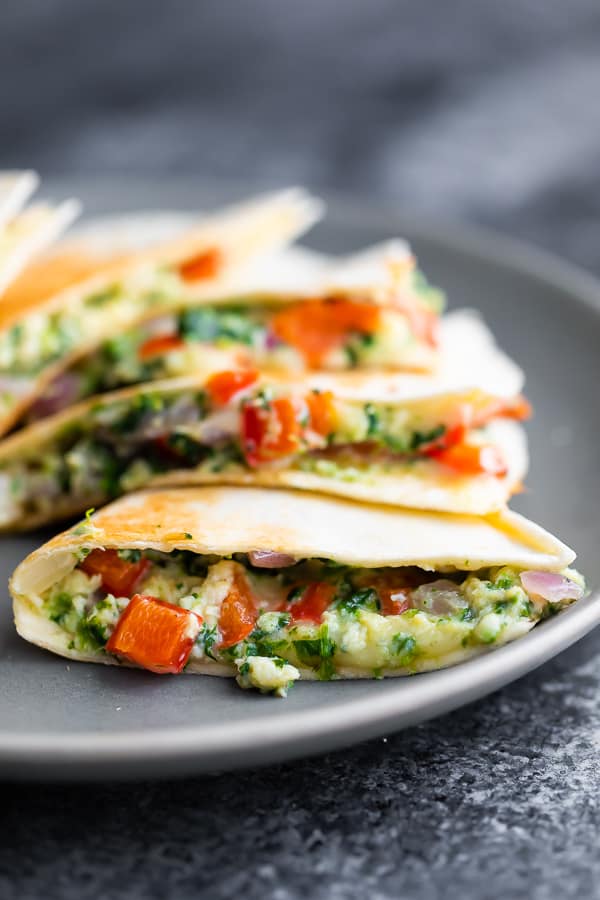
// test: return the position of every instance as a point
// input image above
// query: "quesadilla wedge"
(29, 233)
(295, 312)
(43, 331)
(16, 187)
(25, 233)
(457, 450)
(273, 586)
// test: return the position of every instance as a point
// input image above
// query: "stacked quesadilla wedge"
(292, 312)
(459, 450)
(69, 304)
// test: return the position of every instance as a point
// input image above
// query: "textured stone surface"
(498, 800)
(487, 112)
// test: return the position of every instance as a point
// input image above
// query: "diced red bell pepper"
(224, 385)
(119, 577)
(237, 615)
(315, 327)
(470, 415)
(321, 408)
(159, 346)
(154, 634)
(315, 600)
(472, 459)
(393, 601)
(270, 432)
(205, 265)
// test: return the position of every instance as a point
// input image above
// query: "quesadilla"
(16, 187)
(272, 586)
(456, 450)
(43, 330)
(297, 311)
(26, 233)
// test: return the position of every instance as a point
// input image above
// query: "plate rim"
(195, 749)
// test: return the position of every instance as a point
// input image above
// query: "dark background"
(474, 108)
(468, 109)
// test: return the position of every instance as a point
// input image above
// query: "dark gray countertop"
(486, 112)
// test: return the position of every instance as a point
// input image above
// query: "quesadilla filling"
(272, 619)
(44, 336)
(238, 423)
(330, 333)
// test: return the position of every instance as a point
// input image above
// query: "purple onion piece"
(60, 393)
(550, 586)
(269, 559)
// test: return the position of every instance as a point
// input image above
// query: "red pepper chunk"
(224, 385)
(315, 600)
(204, 265)
(270, 432)
(393, 601)
(315, 327)
(472, 459)
(158, 346)
(238, 614)
(322, 411)
(119, 577)
(155, 634)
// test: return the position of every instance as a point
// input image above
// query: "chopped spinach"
(404, 647)
(208, 324)
(317, 653)
(373, 421)
(59, 607)
(352, 601)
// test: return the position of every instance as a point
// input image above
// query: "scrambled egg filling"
(313, 618)
(121, 444)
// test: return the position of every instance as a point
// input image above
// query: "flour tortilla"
(469, 358)
(29, 233)
(242, 232)
(16, 187)
(226, 520)
(24, 233)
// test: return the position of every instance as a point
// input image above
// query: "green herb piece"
(59, 607)
(103, 297)
(131, 556)
(318, 653)
(136, 411)
(373, 420)
(351, 603)
(207, 638)
(403, 646)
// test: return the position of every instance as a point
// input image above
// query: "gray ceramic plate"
(60, 720)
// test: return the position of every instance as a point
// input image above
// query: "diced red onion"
(60, 393)
(269, 559)
(550, 586)
(217, 427)
(441, 597)
(271, 341)
(155, 424)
